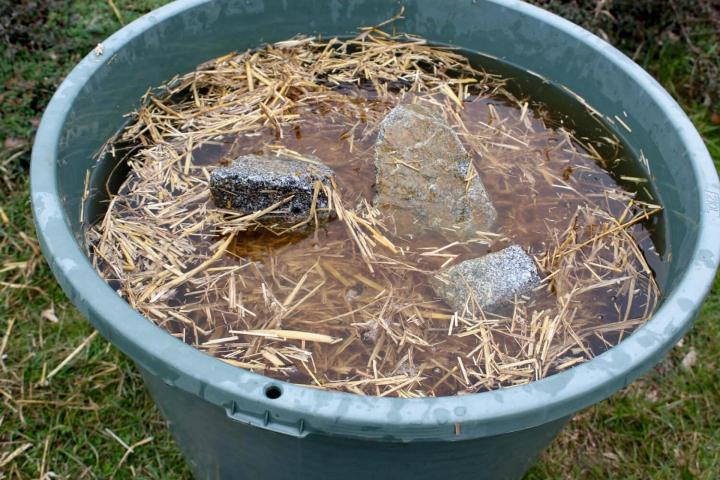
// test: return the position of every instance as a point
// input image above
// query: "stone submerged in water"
(490, 280)
(256, 182)
(422, 171)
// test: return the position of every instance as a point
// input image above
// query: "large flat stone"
(422, 176)
(488, 281)
(255, 182)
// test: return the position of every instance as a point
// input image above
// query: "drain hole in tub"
(272, 392)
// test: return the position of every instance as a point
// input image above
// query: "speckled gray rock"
(421, 176)
(492, 279)
(254, 182)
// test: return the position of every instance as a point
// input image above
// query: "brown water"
(389, 322)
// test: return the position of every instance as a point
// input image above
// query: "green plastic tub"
(235, 424)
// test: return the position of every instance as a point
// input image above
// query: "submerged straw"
(353, 311)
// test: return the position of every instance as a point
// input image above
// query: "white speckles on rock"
(488, 281)
(422, 176)
(256, 182)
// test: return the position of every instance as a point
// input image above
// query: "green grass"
(664, 426)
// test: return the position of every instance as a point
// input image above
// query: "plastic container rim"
(486, 413)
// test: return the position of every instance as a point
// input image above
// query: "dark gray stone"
(422, 169)
(490, 280)
(256, 182)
